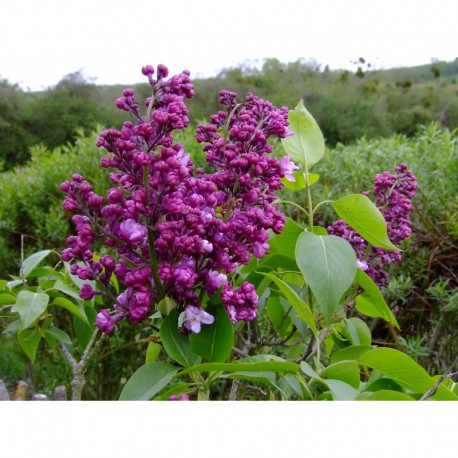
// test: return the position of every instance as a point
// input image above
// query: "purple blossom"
(172, 230)
(259, 249)
(87, 292)
(393, 193)
(363, 265)
(132, 231)
(288, 167)
(195, 317)
(183, 397)
(242, 303)
(215, 280)
(104, 321)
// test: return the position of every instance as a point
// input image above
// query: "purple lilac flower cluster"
(393, 195)
(177, 232)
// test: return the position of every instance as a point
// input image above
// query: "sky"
(41, 41)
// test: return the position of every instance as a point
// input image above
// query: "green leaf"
(360, 213)
(352, 353)
(176, 344)
(32, 261)
(285, 242)
(166, 305)
(84, 330)
(148, 381)
(383, 383)
(13, 283)
(357, 331)
(270, 366)
(294, 185)
(277, 315)
(71, 307)
(340, 390)
(371, 302)
(293, 384)
(67, 289)
(45, 271)
(328, 264)
(59, 335)
(300, 182)
(266, 378)
(214, 342)
(29, 339)
(308, 370)
(387, 395)
(13, 327)
(152, 352)
(7, 299)
(278, 261)
(307, 145)
(346, 371)
(403, 370)
(313, 178)
(30, 306)
(298, 305)
(319, 230)
(300, 324)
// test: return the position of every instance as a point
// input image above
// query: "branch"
(79, 367)
(435, 387)
(68, 356)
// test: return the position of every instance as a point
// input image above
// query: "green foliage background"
(347, 105)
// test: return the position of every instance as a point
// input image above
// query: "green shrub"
(31, 205)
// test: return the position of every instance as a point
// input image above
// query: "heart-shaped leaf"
(328, 264)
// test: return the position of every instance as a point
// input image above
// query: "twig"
(234, 388)
(79, 367)
(435, 387)
(256, 389)
(309, 353)
(238, 352)
(244, 352)
(68, 356)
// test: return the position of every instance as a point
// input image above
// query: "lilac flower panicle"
(174, 231)
(393, 194)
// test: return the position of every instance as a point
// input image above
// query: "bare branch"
(435, 387)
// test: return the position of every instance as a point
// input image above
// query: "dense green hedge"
(31, 204)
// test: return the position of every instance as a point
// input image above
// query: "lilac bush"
(393, 195)
(175, 232)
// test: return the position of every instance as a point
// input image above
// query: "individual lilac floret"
(215, 280)
(195, 317)
(363, 265)
(132, 231)
(87, 292)
(183, 397)
(104, 321)
(288, 167)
